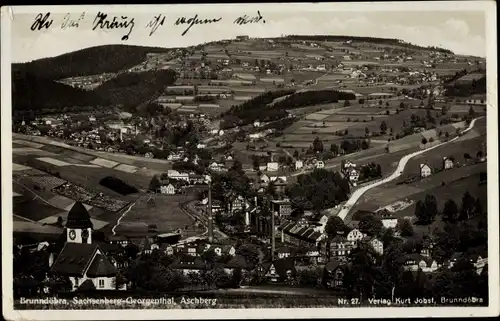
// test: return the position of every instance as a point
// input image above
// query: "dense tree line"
(89, 61)
(466, 89)
(319, 190)
(255, 109)
(310, 98)
(133, 89)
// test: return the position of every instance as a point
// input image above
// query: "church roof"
(74, 259)
(101, 267)
(78, 217)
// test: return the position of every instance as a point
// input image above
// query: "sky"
(461, 30)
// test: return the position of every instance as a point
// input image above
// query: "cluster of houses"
(447, 163)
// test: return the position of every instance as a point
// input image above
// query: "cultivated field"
(163, 211)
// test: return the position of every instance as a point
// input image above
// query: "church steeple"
(78, 225)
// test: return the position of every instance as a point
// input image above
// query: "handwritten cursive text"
(155, 23)
(69, 22)
(246, 19)
(41, 22)
(101, 20)
(194, 21)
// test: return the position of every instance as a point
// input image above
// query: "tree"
(405, 228)
(371, 225)
(250, 252)
(402, 105)
(472, 113)
(317, 145)
(468, 204)
(424, 141)
(334, 149)
(431, 208)
(347, 103)
(383, 127)
(155, 184)
(380, 102)
(334, 225)
(450, 211)
(296, 154)
(420, 212)
(367, 131)
(255, 162)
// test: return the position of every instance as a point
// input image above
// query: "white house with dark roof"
(447, 163)
(82, 261)
(425, 170)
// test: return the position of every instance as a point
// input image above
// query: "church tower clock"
(79, 226)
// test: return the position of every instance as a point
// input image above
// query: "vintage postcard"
(230, 160)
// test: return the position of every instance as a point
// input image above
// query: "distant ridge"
(386, 41)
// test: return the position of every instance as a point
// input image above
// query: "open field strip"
(27, 143)
(104, 162)
(18, 167)
(126, 168)
(30, 151)
(97, 224)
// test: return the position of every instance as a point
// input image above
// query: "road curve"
(399, 170)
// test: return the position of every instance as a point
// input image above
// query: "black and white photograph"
(241, 159)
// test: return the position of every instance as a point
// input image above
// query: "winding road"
(399, 170)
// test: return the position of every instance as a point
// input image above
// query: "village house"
(447, 163)
(336, 248)
(425, 170)
(188, 264)
(354, 236)
(214, 166)
(282, 207)
(299, 164)
(285, 252)
(272, 166)
(333, 274)
(167, 189)
(221, 249)
(278, 270)
(320, 164)
(416, 261)
(264, 179)
(196, 179)
(173, 174)
(376, 244)
(388, 219)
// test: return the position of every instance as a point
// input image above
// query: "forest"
(258, 108)
(89, 61)
(33, 92)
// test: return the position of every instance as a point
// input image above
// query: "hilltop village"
(355, 166)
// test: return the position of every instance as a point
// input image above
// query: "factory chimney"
(210, 218)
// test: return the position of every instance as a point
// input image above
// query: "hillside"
(30, 91)
(89, 61)
(40, 94)
(132, 89)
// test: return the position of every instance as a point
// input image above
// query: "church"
(81, 260)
